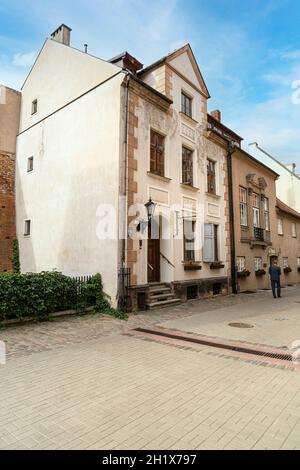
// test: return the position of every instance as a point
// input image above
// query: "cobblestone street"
(80, 383)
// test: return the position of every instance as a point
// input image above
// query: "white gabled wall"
(76, 169)
(60, 75)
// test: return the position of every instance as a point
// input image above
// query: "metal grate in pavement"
(262, 353)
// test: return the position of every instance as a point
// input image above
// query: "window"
(30, 164)
(294, 230)
(285, 262)
(258, 263)
(243, 207)
(256, 210)
(34, 107)
(186, 104)
(189, 239)
(187, 166)
(210, 244)
(298, 262)
(266, 214)
(241, 263)
(211, 177)
(280, 226)
(27, 228)
(157, 154)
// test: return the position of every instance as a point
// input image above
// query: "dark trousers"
(276, 285)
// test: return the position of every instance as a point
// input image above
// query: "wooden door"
(153, 258)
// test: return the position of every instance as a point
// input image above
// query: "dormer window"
(34, 107)
(186, 104)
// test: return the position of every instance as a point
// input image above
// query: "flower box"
(260, 272)
(217, 265)
(244, 273)
(192, 266)
(287, 270)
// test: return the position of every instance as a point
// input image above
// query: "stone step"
(163, 303)
(167, 295)
(159, 289)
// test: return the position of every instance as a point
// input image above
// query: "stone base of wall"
(183, 290)
(200, 288)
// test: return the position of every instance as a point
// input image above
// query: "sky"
(248, 52)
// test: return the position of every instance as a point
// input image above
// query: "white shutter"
(208, 243)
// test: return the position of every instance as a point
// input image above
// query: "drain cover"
(241, 325)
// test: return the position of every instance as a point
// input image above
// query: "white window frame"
(34, 107)
(256, 210)
(241, 263)
(243, 206)
(285, 262)
(280, 226)
(294, 230)
(258, 263)
(267, 214)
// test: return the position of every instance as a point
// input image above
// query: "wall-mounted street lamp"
(143, 224)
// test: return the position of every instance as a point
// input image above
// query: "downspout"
(124, 208)
(125, 168)
(230, 151)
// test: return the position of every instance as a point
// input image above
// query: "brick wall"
(7, 210)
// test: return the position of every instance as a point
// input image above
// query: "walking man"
(275, 273)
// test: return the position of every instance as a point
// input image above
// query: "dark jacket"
(275, 273)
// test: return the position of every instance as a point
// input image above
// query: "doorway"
(153, 252)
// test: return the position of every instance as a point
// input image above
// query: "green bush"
(37, 295)
(15, 259)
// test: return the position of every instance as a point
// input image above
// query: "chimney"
(127, 61)
(216, 114)
(62, 35)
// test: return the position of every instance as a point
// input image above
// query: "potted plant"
(287, 270)
(244, 273)
(260, 272)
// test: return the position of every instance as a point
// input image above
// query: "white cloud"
(24, 60)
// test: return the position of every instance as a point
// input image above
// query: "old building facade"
(9, 125)
(95, 147)
(287, 243)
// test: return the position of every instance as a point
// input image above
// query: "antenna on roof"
(86, 48)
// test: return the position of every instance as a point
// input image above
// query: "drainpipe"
(230, 151)
(124, 191)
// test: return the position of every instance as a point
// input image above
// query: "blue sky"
(248, 52)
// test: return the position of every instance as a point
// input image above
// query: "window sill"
(189, 186)
(213, 195)
(159, 177)
(188, 118)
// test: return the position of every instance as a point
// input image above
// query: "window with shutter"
(187, 166)
(209, 243)
(157, 154)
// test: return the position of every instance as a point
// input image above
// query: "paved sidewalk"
(80, 383)
(125, 393)
(275, 322)
(32, 338)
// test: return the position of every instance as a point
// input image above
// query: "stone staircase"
(161, 295)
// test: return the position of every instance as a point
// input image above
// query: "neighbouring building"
(9, 125)
(99, 142)
(253, 215)
(287, 244)
(288, 185)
